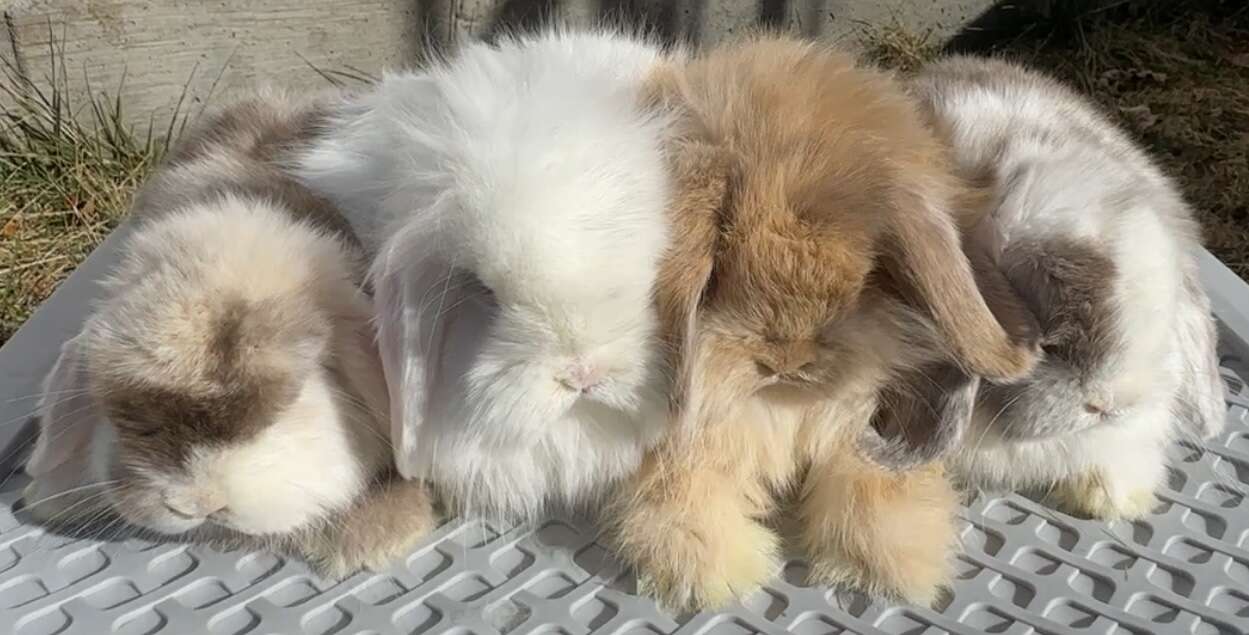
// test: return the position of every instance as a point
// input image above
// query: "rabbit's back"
(242, 150)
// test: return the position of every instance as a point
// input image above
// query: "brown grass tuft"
(66, 179)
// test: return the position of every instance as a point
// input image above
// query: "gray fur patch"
(921, 417)
(1068, 286)
(242, 150)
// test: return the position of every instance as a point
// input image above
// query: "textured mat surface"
(1025, 568)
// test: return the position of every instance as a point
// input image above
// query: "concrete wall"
(151, 50)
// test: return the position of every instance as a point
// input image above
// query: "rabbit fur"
(226, 386)
(816, 264)
(515, 196)
(1100, 246)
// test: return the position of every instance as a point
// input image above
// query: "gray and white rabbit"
(1100, 247)
(227, 384)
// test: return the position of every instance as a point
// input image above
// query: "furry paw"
(889, 535)
(709, 566)
(335, 560)
(336, 556)
(374, 534)
(919, 584)
(1092, 495)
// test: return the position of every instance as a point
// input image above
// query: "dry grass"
(66, 179)
(1174, 73)
(1177, 75)
(896, 47)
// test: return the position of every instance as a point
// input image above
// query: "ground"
(1176, 73)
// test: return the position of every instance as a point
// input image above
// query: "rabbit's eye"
(1052, 350)
(476, 290)
(145, 431)
(135, 428)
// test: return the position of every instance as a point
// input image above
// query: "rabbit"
(1100, 246)
(226, 386)
(826, 332)
(515, 196)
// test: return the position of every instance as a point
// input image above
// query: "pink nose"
(581, 377)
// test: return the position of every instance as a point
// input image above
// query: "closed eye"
(474, 290)
(137, 429)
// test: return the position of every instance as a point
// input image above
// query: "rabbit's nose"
(192, 507)
(581, 377)
(1101, 408)
(795, 361)
(182, 510)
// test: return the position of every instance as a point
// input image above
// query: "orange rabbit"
(817, 285)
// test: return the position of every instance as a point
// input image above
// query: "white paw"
(1094, 496)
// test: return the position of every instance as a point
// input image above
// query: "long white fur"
(1067, 173)
(531, 166)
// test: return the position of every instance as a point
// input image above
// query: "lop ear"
(1009, 307)
(920, 417)
(68, 419)
(1201, 401)
(356, 350)
(409, 345)
(928, 256)
(420, 304)
(701, 191)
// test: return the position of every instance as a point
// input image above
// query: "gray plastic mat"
(1025, 568)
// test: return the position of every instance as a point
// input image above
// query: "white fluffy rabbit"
(227, 384)
(1101, 248)
(515, 195)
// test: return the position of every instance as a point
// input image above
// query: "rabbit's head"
(822, 246)
(527, 190)
(229, 378)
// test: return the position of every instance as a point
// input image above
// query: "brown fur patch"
(1006, 303)
(229, 379)
(922, 416)
(1068, 285)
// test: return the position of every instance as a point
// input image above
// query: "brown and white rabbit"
(1102, 248)
(227, 385)
(817, 284)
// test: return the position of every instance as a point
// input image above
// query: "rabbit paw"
(335, 555)
(375, 533)
(709, 566)
(335, 561)
(905, 556)
(889, 535)
(926, 573)
(1092, 495)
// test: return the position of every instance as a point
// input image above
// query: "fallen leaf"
(10, 228)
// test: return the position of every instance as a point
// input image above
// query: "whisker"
(73, 490)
